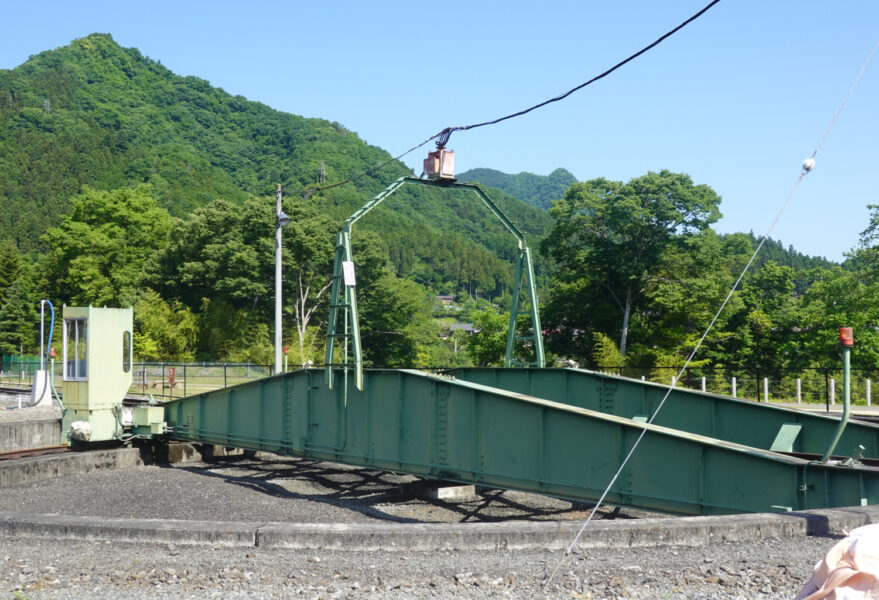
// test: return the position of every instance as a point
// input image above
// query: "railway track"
(31, 452)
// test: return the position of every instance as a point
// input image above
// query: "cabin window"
(75, 349)
(126, 351)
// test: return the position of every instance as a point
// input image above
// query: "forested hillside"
(94, 113)
(537, 190)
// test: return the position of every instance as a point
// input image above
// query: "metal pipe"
(42, 332)
(846, 399)
(278, 281)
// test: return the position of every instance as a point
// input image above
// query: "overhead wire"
(807, 167)
(444, 134)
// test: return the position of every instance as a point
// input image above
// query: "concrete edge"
(211, 533)
(415, 537)
(28, 470)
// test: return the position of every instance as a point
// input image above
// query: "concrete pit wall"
(24, 435)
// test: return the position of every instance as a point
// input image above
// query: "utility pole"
(323, 172)
(280, 221)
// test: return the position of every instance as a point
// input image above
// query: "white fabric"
(850, 571)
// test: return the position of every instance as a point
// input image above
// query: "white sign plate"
(348, 272)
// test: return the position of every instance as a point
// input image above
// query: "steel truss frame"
(343, 293)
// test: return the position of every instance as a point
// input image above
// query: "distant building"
(446, 300)
(465, 327)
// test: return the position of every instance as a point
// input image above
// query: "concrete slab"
(23, 435)
(26, 470)
(437, 490)
(179, 452)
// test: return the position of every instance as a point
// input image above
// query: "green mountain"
(94, 113)
(536, 190)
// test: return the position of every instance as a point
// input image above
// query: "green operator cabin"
(97, 373)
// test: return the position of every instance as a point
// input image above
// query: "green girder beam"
(445, 428)
(701, 413)
(343, 294)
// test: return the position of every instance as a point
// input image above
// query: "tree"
(488, 344)
(393, 313)
(309, 242)
(20, 316)
(10, 265)
(609, 239)
(224, 252)
(99, 253)
(163, 331)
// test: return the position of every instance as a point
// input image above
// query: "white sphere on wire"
(808, 164)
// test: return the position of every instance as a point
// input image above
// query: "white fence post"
(832, 392)
(799, 391)
(733, 387)
(703, 384)
(869, 400)
(674, 380)
(766, 390)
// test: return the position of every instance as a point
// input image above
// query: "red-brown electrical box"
(440, 164)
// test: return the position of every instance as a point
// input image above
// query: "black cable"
(447, 132)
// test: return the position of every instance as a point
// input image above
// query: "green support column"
(344, 296)
(524, 267)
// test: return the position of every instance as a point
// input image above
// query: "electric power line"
(443, 136)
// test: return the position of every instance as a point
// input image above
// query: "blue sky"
(737, 99)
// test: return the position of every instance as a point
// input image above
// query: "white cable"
(807, 167)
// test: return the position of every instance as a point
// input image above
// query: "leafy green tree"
(20, 316)
(100, 252)
(224, 252)
(309, 243)
(10, 265)
(233, 334)
(609, 239)
(605, 353)
(488, 344)
(163, 331)
(393, 312)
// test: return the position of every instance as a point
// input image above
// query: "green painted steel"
(712, 415)
(344, 297)
(343, 294)
(846, 403)
(445, 428)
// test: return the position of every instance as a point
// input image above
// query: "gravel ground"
(277, 489)
(770, 569)
(9, 410)
(307, 491)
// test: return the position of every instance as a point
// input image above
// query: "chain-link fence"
(179, 379)
(812, 385)
(159, 379)
(176, 380)
(19, 370)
